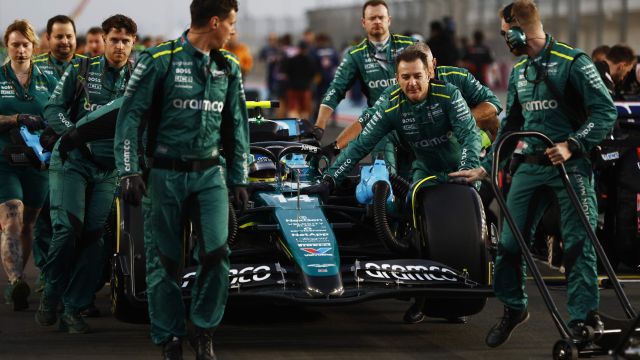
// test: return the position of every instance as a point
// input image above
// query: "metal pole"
(573, 19)
(624, 20)
(599, 22)
(556, 17)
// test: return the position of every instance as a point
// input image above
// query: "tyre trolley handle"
(562, 326)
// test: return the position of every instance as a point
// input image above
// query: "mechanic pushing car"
(577, 122)
(25, 91)
(82, 178)
(61, 36)
(484, 108)
(484, 105)
(371, 62)
(430, 115)
(190, 117)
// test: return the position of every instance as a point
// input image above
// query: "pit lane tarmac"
(365, 331)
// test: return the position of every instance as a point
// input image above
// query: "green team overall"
(532, 100)
(371, 63)
(201, 107)
(53, 67)
(24, 183)
(542, 112)
(437, 125)
(61, 35)
(472, 91)
(82, 177)
(484, 105)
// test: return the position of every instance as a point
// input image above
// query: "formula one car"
(375, 237)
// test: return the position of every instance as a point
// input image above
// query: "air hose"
(383, 231)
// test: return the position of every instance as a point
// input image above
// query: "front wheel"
(453, 232)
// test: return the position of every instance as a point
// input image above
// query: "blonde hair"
(524, 13)
(25, 28)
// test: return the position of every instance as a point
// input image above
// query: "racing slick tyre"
(128, 266)
(121, 306)
(453, 231)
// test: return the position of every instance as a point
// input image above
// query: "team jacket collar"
(188, 47)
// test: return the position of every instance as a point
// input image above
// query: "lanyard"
(25, 90)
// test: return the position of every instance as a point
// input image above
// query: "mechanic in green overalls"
(371, 63)
(200, 106)
(485, 107)
(61, 36)
(532, 102)
(24, 91)
(429, 115)
(82, 177)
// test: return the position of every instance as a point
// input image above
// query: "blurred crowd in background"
(296, 69)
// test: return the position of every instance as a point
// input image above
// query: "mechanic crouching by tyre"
(429, 115)
(25, 91)
(485, 107)
(82, 177)
(189, 117)
(577, 123)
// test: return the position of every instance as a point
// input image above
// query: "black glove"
(69, 141)
(240, 197)
(322, 189)
(48, 139)
(32, 122)
(331, 150)
(317, 133)
(132, 189)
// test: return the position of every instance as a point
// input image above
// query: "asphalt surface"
(366, 331)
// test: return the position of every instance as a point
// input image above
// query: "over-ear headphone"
(515, 36)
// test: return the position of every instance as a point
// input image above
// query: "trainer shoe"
(19, 295)
(501, 331)
(46, 313)
(172, 349)
(203, 344)
(73, 323)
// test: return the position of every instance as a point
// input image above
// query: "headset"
(515, 36)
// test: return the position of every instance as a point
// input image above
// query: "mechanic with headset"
(82, 177)
(429, 115)
(191, 116)
(577, 123)
(25, 91)
(371, 62)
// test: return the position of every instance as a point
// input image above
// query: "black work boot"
(414, 314)
(172, 349)
(501, 331)
(579, 331)
(73, 323)
(594, 320)
(203, 344)
(46, 313)
(91, 311)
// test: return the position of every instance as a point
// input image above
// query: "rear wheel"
(453, 232)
